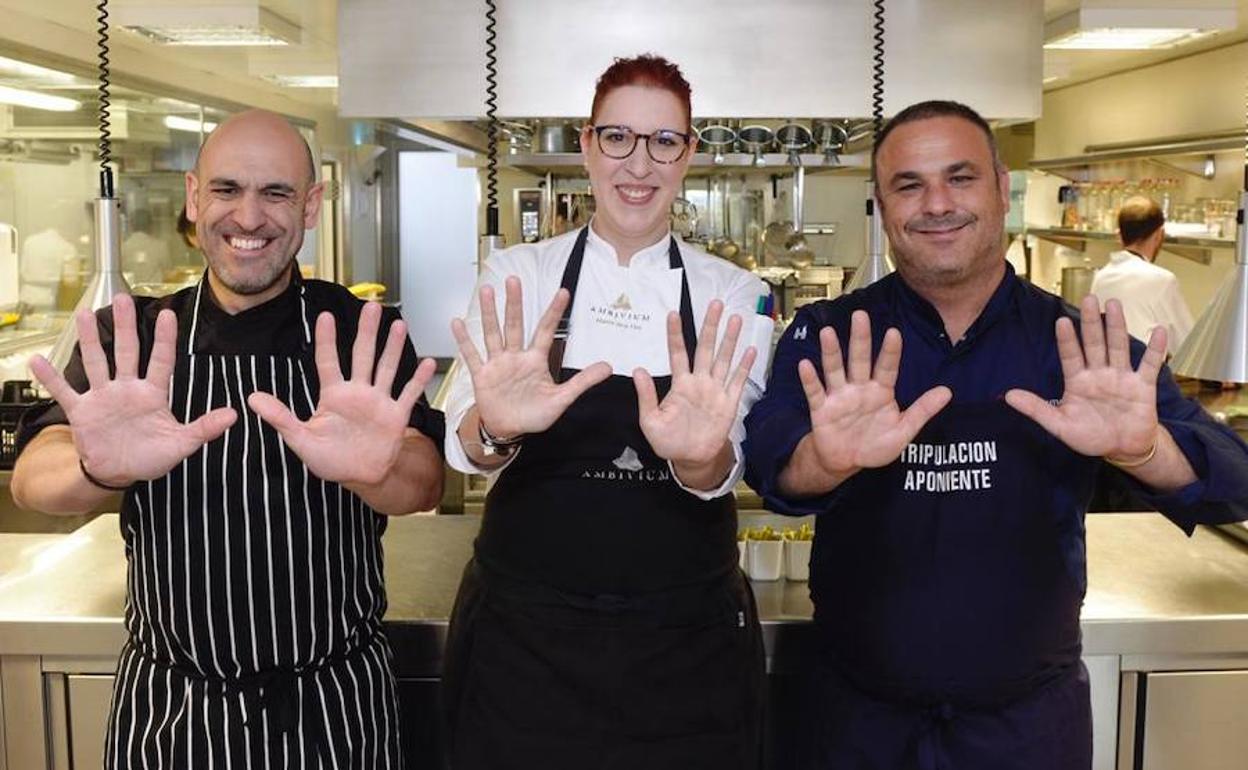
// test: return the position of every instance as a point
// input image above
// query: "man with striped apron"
(258, 449)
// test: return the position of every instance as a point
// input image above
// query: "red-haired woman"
(603, 621)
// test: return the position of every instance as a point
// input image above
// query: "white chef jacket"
(540, 268)
(1149, 295)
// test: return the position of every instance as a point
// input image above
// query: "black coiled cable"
(877, 70)
(491, 116)
(106, 143)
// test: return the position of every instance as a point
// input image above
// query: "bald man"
(260, 427)
(1149, 293)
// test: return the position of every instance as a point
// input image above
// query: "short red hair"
(648, 70)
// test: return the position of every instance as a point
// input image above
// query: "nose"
(249, 213)
(937, 199)
(639, 164)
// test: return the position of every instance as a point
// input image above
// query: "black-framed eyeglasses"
(663, 146)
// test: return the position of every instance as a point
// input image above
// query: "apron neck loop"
(572, 274)
(295, 277)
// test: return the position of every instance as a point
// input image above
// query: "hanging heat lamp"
(107, 280)
(1217, 347)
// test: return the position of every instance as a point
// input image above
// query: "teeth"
(247, 244)
(636, 193)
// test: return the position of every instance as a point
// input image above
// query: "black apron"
(949, 609)
(255, 593)
(603, 622)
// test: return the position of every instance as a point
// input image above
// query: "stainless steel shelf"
(773, 162)
(1196, 249)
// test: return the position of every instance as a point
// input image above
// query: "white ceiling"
(1081, 66)
(317, 52)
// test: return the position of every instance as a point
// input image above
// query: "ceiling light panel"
(1135, 28)
(209, 25)
(24, 98)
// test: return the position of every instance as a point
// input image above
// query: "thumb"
(275, 413)
(1031, 405)
(210, 426)
(647, 396)
(924, 409)
(584, 380)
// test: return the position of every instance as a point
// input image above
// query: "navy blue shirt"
(959, 570)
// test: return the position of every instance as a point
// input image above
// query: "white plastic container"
(743, 556)
(797, 560)
(766, 559)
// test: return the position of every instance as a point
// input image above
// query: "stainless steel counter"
(1152, 591)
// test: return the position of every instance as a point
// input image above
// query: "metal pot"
(756, 139)
(718, 138)
(557, 136)
(1076, 283)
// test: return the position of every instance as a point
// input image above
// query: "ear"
(1003, 186)
(312, 206)
(587, 139)
(192, 193)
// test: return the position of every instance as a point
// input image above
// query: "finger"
(275, 413)
(860, 347)
(925, 408)
(365, 346)
(888, 363)
(705, 353)
(548, 324)
(55, 382)
(1116, 338)
(514, 315)
(677, 355)
(1037, 409)
(582, 381)
(160, 365)
(328, 368)
(125, 338)
(467, 350)
(416, 385)
(742, 374)
(815, 394)
(1068, 350)
(832, 359)
(647, 396)
(1154, 355)
(94, 362)
(1093, 332)
(489, 323)
(210, 426)
(391, 355)
(723, 357)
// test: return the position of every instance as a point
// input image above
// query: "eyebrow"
(952, 168)
(281, 187)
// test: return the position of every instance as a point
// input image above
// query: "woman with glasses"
(603, 621)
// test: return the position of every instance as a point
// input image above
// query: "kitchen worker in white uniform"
(1149, 293)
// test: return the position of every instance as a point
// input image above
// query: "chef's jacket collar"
(654, 254)
(218, 330)
(927, 319)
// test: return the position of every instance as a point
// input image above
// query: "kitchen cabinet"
(1188, 720)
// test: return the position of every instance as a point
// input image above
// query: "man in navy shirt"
(952, 477)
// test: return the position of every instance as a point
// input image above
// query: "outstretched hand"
(1107, 409)
(512, 386)
(122, 427)
(854, 417)
(357, 431)
(692, 423)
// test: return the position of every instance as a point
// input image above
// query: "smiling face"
(251, 196)
(943, 200)
(634, 195)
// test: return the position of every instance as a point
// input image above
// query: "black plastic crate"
(10, 414)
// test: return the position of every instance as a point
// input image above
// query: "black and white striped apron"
(255, 593)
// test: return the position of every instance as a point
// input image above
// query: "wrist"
(110, 485)
(1136, 460)
(492, 444)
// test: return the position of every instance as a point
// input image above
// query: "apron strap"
(572, 274)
